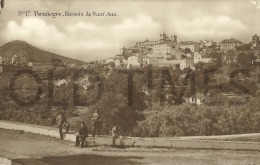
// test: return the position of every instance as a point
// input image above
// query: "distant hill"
(32, 53)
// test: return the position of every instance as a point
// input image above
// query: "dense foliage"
(186, 120)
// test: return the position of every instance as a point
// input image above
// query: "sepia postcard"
(129, 82)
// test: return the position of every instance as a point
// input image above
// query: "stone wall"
(138, 142)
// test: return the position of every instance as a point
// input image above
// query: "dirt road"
(33, 149)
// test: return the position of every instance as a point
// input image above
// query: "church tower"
(255, 40)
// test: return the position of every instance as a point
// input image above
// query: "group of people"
(62, 122)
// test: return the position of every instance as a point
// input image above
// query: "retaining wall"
(140, 142)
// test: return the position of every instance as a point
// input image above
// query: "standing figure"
(61, 120)
(96, 119)
(53, 120)
(67, 125)
(83, 134)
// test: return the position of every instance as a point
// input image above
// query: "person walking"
(97, 120)
(83, 134)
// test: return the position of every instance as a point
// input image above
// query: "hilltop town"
(168, 52)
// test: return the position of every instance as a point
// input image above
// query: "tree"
(230, 56)
(243, 47)
(245, 59)
(114, 104)
(112, 64)
(217, 57)
(187, 50)
(56, 61)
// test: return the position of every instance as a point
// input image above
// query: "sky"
(98, 37)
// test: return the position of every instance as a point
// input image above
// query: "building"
(255, 43)
(207, 43)
(40, 66)
(154, 61)
(189, 62)
(147, 43)
(169, 51)
(108, 60)
(198, 58)
(4, 60)
(120, 63)
(126, 52)
(133, 61)
(230, 59)
(162, 62)
(173, 63)
(167, 48)
(197, 99)
(71, 65)
(164, 38)
(158, 55)
(162, 48)
(193, 46)
(142, 59)
(229, 44)
(183, 63)
(206, 50)
(19, 59)
(12, 68)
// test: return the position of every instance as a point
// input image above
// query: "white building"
(198, 58)
(165, 62)
(133, 61)
(157, 55)
(41, 66)
(229, 44)
(162, 49)
(197, 99)
(108, 60)
(19, 59)
(207, 43)
(4, 60)
(118, 62)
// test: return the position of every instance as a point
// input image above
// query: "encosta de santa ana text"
(68, 13)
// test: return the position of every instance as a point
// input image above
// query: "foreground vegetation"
(127, 102)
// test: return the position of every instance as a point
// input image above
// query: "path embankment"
(191, 142)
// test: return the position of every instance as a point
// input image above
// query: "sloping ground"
(32, 53)
(35, 149)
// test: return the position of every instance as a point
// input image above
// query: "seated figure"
(83, 134)
(116, 134)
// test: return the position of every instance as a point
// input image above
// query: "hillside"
(32, 53)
